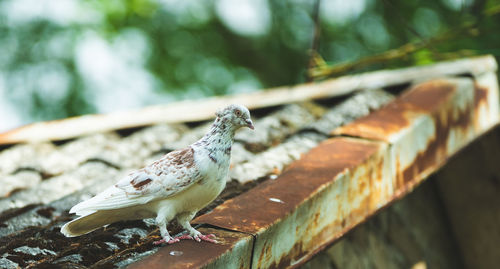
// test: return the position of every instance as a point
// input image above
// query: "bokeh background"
(61, 58)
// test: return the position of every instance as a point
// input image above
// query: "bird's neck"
(220, 135)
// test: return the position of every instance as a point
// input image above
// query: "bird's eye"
(237, 112)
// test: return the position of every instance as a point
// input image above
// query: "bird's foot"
(198, 237)
(209, 238)
(184, 236)
(169, 240)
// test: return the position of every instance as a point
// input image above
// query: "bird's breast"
(213, 164)
(197, 196)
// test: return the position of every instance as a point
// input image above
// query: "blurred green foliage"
(72, 57)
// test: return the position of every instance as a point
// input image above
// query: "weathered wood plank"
(197, 110)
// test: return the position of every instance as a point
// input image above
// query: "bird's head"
(238, 115)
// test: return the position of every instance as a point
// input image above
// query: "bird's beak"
(249, 124)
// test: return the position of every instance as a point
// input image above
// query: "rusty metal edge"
(396, 197)
(331, 212)
(471, 107)
(183, 112)
(480, 131)
(300, 182)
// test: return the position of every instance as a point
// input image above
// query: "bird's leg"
(161, 221)
(193, 234)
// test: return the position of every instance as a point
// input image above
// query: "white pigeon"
(175, 186)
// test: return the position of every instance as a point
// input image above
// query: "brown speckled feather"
(161, 179)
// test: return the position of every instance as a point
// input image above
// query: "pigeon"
(174, 187)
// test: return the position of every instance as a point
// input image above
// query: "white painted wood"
(198, 110)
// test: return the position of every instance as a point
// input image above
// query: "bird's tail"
(88, 223)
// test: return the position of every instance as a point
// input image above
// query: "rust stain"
(190, 254)
(316, 219)
(302, 251)
(429, 96)
(436, 151)
(399, 185)
(318, 238)
(296, 253)
(317, 235)
(480, 96)
(377, 125)
(376, 179)
(295, 185)
(426, 98)
(480, 102)
(363, 193)
(266, 254)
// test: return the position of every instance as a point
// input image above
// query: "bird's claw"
(168, 240)
(199, 237)
(185, 236)
(209, 238)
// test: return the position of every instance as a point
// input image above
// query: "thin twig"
(494, 10)
(313, 54)
(325, 71)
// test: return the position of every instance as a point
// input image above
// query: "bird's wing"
(164, 178)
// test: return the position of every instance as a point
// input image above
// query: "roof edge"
(183, 111)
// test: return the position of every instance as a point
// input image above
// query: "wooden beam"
(199, 110)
